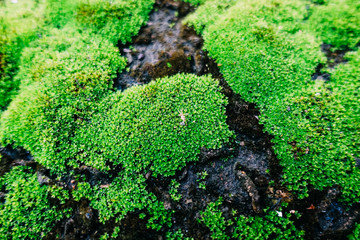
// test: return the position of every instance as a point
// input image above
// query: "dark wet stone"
(163, 47)
(14, 157)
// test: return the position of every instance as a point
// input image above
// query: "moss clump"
(322, 133)
(337, 23)
(356, 233)
(268, 59)
(261, 61)
(115, 20)
(58, 95)
(20, 23)
(158, 127)
(155, 129)
(208, 13)
(26, 212)
(59, 13)
(195, 2)
(269, 226)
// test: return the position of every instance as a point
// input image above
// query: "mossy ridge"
(337, 23)
(195, 2)
(20, 23)
(267, 60)
(27, 212)
(153, 129)
(262, 61)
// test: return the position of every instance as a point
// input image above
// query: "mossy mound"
(158, 127)
(268, 58)
(58, 95)
(337, 23)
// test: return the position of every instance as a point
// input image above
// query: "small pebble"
(141, 56)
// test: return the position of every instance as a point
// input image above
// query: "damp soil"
(164, 47)
(240, 172)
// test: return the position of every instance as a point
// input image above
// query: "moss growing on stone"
(26, 212)
(154, 129)
(268, 59)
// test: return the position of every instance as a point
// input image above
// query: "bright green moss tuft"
(261, 60)
(356, 233)
(322, 134)
(26, 212)
(59, 13)
(59, 95)
(20, 23)
(115, 20)
(337, 23)
(177, 235)
(208, 13)
(195, 2)
(269, 226)
(213, 218)
(157, 127)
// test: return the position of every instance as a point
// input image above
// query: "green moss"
(173, 190)
(59, 96)
(267, 60)
(115, 20)
(208, 13)
(26, 212)
(143, 131)
(58, 13)
(213, 219)
(158, 127)
(261, 61)
(269, 226)
(337, 23)
(177, 235)
(356, 233)
(322, 129)
(20, 23)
